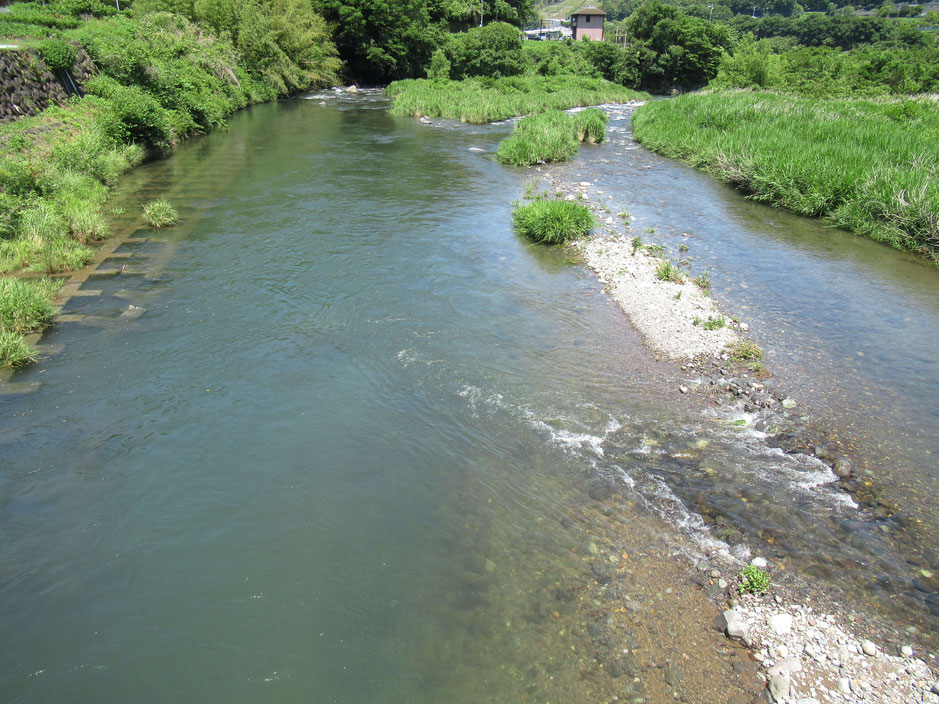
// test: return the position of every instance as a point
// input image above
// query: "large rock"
(734, 624)
(786, 666)
(780, 623)
(779, 687)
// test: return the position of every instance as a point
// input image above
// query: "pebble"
(868, 647)
(906, 652)
(759, 562)
(780, 623)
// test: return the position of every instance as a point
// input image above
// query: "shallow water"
(349, 451)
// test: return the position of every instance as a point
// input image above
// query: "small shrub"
(682, 248)
(703, 280)
(753, 580)
(637, 244)
(552, 221)
(655, 249)
(160, 213)
(58, 55)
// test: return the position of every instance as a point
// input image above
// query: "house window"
(587, 19)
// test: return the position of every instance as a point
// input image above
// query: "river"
(366, 445)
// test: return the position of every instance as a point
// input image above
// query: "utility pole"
(711, 13)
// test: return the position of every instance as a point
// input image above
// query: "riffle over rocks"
(28, 86)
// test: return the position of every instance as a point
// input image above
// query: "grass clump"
(753, 580)
(745, 351)
(552, 221)
(14, 352)
(666, 271)
(871, 166)
(539, 139)
(590, 125)
(160, 213)
(26, 306)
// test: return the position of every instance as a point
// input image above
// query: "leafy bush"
(745, 350)
(753, 580)
(552, 221)
(58, 55)
(666, 271)
(160, 213)
(493, 50)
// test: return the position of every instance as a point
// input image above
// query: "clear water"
(348, 452)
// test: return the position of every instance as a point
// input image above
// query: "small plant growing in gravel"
(531, 188)
(637, 244)
(667, 271)
(753, 580)
(623, 214)
(745, 350)
(655, 250)
(713, 323)
(703, 280)
(682, 248)
(650, 230)
(160, 213)
(678, 296)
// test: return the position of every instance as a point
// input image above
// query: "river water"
(366, 445)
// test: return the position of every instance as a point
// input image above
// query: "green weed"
(14, 352)
(745, 350)
(753, 580)
(666, 271)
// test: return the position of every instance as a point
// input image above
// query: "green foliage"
(494, 50)
(868, 166)
(439, 66)
(590, 125)
(539, 139)
(711, 323)
(745, 350)
(58, 55)
(160, 213)
(14, 352)
(552, 221)
(703, 280)
(488, 100)
(666, 271)
(827, 72)
(753, 580)
(820, 30)
(673, 49)
(26, 306)
(637, 244)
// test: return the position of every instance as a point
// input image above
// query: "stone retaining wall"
(28, 86)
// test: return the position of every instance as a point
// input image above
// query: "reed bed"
(483, 100)
(870, 166)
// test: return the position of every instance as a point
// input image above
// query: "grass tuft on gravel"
(551, 136)
(552, 221)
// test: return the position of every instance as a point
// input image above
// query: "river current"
(364, 444)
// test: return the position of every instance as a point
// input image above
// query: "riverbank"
(865, 165)
(819, 656)
(157, 79)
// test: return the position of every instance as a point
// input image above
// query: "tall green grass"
(868, 166)
(25, 306)
(488, 100)
(551, 136)
(552, 221)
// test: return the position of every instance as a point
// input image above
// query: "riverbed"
(364, 444)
